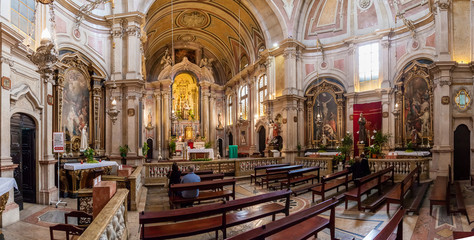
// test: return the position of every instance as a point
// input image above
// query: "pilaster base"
(48, 195)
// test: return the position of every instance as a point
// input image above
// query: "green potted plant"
(123, 153)
(172, 146)
(346, 145)
(145, 149)
(89, 154)
(374, 150)
(208, 145)
(322, 148)
(409, 147)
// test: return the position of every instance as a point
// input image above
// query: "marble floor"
(36, 219)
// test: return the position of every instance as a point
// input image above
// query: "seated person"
(364, 165)
(191, 177)
(360, 168)
(175, 174)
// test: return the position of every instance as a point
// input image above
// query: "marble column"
(134, 57)
(290, 71)
(213, 120)
(97, 97)
(205, 109)
(300, 124)
(117, 50)
(443, 34)
(158, 125)
(166, 116)
(115, 130)
(442, 122)
(47, 190)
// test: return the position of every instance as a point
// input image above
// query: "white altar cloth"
(412, 154)
(205, 150)
(6, 184)
(79, 166)
(321, 153)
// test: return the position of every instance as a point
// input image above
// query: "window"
(262, 94)
(244, 102)
(369, 62)
(229, 108)
(23, 16)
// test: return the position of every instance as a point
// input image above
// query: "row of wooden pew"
(441, 194)
(220, 216)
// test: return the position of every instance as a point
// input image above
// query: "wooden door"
(149, 154)
(23, 153)
(261, 140)
(462, 153)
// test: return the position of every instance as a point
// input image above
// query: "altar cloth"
(79, 166)
(6, 184)
(205, 150)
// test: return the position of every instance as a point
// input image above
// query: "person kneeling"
(191, 177)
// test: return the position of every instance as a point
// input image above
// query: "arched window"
(262, 94)
(244, 100)
(23, 16)
(229, 109)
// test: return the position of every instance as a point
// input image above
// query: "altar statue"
(362, 133)
(166, 59)
(219, 121)
(270, 130)
(84, 142)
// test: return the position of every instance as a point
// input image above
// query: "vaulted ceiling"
(226, 31)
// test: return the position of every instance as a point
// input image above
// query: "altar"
(6, 184)
(200, 153)
(76, 176)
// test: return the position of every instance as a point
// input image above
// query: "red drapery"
(373, 115)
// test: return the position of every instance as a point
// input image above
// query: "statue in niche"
(362, 132)
(206, 66)
(219, 121)
(84, 142)
(166, 59)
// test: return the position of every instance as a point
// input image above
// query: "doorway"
(261, 140)
(149, 154)
(462, 153)
(231, 139)
(23, 153)
(220, 146)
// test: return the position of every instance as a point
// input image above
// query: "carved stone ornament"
(463, 100)
(45, 1)
(364, 4)
(193, 19)
(385, 114)
(445, 100)
(284, 121)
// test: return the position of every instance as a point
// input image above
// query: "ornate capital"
(289, 53)
(443, 4)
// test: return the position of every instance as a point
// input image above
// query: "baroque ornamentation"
(193, 19)
(364, 4)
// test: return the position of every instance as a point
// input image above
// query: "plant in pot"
(123, 153)
(89, 154)
(374, 150)
(172, 146)
(145, 149)
(409, 147)
(208, 145)
(346, 145)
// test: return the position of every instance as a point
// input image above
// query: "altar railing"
(155, 173)
(133, 183)
(402, 167)
(111, 223)
(324, 163)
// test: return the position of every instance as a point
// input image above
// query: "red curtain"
(373, 115)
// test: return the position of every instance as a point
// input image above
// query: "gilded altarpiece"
(78, 103)
(325, 113)
(185, 107)
(414, 98)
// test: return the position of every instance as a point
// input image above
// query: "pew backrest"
(206, 185)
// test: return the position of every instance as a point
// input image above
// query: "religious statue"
(84, 142)
(270, 130)
(166, 59)
(414, 136)
(219, 121)
(362, 132)
(324, 140)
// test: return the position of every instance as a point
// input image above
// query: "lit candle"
(114, 102)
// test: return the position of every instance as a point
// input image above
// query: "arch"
(170, 72)
(25, 90)
(407, 60)
(88, 58)
(332, 76)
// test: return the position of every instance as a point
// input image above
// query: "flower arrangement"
(145, 149)
(124, 150)
(89, 154)
(208, 144)
(409, 147)
(339, 157)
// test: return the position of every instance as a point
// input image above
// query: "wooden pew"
(462, 235)
(367, 183)
(210, 177)
(460, 206)
(440, 193)
(299, 225)
(264, 167)
(330, 182)
(297, 176)
(396, 222)
(278, 173)
(397, 194)
(175, 199)
(217, 216)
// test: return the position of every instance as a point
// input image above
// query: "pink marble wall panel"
(339, 64)
(367, 18)
(408, 5)
(96, 44)
(60, 25)
(309, 68)
(400, 51)
(431, 41)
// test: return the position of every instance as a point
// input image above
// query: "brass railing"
(155, 173)
(111, 223)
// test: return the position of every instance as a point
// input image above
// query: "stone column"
(309, 124)
(212, 120)
(253, 101)
(385, 63)
(166, 114)
(271, 76)
(117, 51)
(443, 34)
(158, 125)
(300, 124)
(97, 97)
(115, 130)
(442, 130)
(205, 109)
(134, 57)
(290, 71)
(130, 119)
